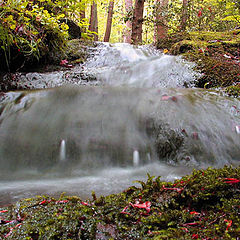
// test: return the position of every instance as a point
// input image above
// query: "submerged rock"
(168, 143)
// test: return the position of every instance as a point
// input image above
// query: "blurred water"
(78, 139)
(140, 66)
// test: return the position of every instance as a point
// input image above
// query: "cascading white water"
(80, 139)
(132, 66)
(136, 158)
(62, 153)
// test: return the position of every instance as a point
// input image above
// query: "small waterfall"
(139, 120)
(62, 152)
(136, 158)
(149, 157)
(113, 126)
(140, 66)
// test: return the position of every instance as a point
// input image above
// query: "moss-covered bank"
(217, 55)
(203, 205)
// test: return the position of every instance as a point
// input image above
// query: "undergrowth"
(29, 30)
(203, 205)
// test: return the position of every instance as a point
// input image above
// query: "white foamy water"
(138, 66)
(103, 182)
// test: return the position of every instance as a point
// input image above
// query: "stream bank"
(75, 53)
(217, 55)
(203, 205)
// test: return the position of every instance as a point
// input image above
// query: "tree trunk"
(128, 32)
(137, 22)
(93, 26)
(82, 12)
(184, 15)
(109, 21)
(161, 27)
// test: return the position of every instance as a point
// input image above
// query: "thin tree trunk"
(161, 28)
(184, 15)
(137, 22)
(82, 12)
(128, 32)
(109, 21)
(93, 26)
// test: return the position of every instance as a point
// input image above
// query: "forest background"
(33, 28)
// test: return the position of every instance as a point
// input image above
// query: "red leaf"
(229, 223)
(179, 190)
(10, 232)
(3, 211)
(11, 229)
(191, 224)
(43, 202)
(38, 18)
(196, 213)
(85, 203)
(231, 180)
(215, 66)
(165, 98)
(145, 205)
(195, 236)
(62, 201)
(199, 13)
(185, 230)
(17, 225)
(64, 62)
(124, 210)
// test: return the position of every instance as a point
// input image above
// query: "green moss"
(186, 46)
(209, 36)
(233, 91)
(202, 205)
(216, 55)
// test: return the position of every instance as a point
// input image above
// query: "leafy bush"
(29, 31)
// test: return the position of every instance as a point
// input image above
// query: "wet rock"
(36, 80)
(77, 49)
(168, 142)
(53, 75)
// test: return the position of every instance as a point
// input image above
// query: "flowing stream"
(134, 116)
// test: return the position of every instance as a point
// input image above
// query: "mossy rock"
(168, 42)
(186, 46)
(77, 49)
(203, 205)
(216, 55)
(200, 39)
(233, 90)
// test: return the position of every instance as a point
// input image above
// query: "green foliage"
(203, 205)
(29, 30)
(202, 15)
(233, 90)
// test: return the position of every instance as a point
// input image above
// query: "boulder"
(74, 30)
